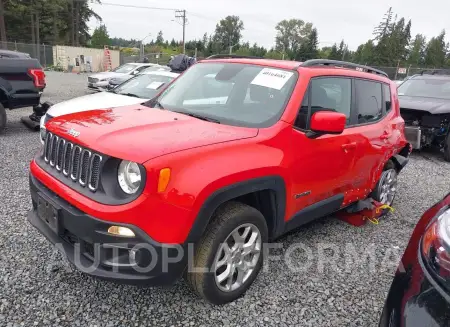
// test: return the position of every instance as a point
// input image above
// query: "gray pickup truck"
(22, 81)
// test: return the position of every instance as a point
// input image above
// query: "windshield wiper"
(212, 120)
(130, 95)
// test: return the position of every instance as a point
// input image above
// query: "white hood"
(102, 100)
(104, 75)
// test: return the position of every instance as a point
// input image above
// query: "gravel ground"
(37, 288)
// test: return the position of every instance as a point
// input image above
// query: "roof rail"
(231, 56)
(344, 64)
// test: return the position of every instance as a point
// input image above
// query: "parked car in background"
(234, 153)
(99, 81)
(115, 81)
(425, 107)
(420, 293)
(136, 90)
(22, 80)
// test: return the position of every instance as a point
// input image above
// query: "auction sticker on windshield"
(154, 85)
(272, 78)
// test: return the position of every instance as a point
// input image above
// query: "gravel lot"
(37, 288)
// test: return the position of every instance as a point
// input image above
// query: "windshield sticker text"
(272, 78)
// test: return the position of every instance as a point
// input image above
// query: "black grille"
(92, 80)
(80, 164)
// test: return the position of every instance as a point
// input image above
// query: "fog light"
(121, 231)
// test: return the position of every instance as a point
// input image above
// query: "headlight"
(129, 176)
(436, 247)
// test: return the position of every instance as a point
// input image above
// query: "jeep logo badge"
(73, 132)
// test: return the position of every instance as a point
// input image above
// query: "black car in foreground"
(420, 293)
(425, 107)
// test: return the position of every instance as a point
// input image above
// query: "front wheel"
(230, 254)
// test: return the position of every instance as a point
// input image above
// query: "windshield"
(230, 93)
(124, 69)
(144, 86)
(432, 88)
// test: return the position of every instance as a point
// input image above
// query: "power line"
(182, 14)
(134, 6)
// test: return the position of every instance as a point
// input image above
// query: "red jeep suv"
(232, 154)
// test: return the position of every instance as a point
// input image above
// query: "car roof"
(299, 66)
(143, 64)
(430, 76)
(283, 64)
(14, 54)
(161, 73)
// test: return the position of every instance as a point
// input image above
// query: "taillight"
(436, 247)
(38, 77)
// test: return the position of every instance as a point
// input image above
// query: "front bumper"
(86, 244)
(98, 85)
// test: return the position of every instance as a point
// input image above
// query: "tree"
(160, 38)
(436, 51)
(291, 34)
(228, 32)
(100, 37)
(3, 38)
(384, 27)
(417, 51)
(48, 21)
(309, 48)
(334, 54)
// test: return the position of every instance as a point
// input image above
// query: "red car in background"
(420, 293)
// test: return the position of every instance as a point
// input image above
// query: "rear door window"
(368, 101)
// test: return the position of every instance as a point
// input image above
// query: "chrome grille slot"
(54, 144)
(84, 166)
(79, 163)
(94, 172)
(60, 154)
(67, 155)
(47, 145)
(75, 162)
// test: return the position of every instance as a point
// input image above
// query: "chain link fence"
(42, 52)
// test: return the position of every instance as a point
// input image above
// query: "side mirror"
(327, 122)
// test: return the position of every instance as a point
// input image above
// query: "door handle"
(349, 146)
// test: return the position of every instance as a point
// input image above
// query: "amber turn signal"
(164, 178)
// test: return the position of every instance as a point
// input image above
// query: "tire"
(389, 173)
(447, 148)
(228, 218)
(2, 118)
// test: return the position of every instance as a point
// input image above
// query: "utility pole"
(182, 15)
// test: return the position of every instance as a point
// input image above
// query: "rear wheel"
(229, 255)
(386, 188)
(2, 118)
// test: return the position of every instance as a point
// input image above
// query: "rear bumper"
(24, 100)
(84, 241)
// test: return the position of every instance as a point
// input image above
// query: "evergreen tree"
(100, 37)
(417, 51)
(436, 51)
(160, 38)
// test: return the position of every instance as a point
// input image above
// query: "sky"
(351, 20)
